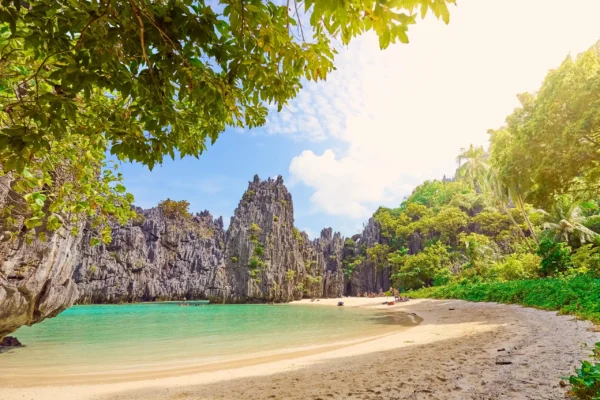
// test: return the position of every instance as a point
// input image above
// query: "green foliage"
(567, 223)
(586, 260)
(479, 251)
(234, 259)
(473, 167)
(585, 384)
(577, 296)
(275, 218)
(298, 236)
(349, 265)
(421, 269)
(255, 263)
(290, 274)
(550, 144)
(449, 223)
(148, 79)
(378, 255)
(175, 209)
(349, 242)
(556, 257)
(156, 77)
(259, 251)
(516, 267)
(255, 229)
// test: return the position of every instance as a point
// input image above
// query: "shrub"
(259, 250)
(275, 218)
(290, 274)
(586, 260)
(255, 263)
(234, 259)
(139, 219)
(254, 228)
(349, 242)
(175, 209)
(585, 384)
(249, 195)
(298, 235)
(515, 267)
(577, 296)
(556, 257)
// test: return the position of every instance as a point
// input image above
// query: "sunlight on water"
(111, 337)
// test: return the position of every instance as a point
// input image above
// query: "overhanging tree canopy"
(146, 79)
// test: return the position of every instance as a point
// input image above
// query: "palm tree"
(566, 223)
(500, 194)
(473, 167)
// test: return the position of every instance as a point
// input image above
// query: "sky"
(384, 121)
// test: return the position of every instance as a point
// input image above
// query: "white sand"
(451, 355)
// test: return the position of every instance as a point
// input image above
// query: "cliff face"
(366, 277)
(261, 257)
(154, 258)
(35, 276)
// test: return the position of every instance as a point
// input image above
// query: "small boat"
(391, 303)
(340, 303)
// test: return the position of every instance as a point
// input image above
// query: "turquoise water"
(100, 338)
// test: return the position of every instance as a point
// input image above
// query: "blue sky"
(385, 120)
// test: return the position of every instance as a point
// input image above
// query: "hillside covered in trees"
(528, 207)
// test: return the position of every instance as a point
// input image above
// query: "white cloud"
(402, 115)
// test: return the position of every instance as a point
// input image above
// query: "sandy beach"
(460, 350)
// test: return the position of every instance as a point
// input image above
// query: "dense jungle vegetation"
(526, 208)
(520, 222)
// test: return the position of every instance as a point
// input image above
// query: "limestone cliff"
(156, 257)
(35, 275)
(261, 257)
(366, 277)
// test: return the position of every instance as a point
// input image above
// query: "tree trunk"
(522, 207)
(507, 212)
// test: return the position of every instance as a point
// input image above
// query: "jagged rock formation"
(261, 257)
(154, 258)
(367, 277)
(35, 276)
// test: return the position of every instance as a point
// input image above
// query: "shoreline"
(451, 325)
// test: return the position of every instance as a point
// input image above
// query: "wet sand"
(452, 354)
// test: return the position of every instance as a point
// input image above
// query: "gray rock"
(35, 276)
(260, 258)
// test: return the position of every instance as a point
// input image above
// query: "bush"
(290, 274)
(585, 384)
(556, 257)
(298, 236)
(234, 259)
(586, 260)
(578, 296)
(175, 209)
(515, 267)
(255, 263)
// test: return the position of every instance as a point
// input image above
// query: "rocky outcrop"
(10, 341)
(152, 258)
(366, 277)
(262, 257)
(35, 275)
